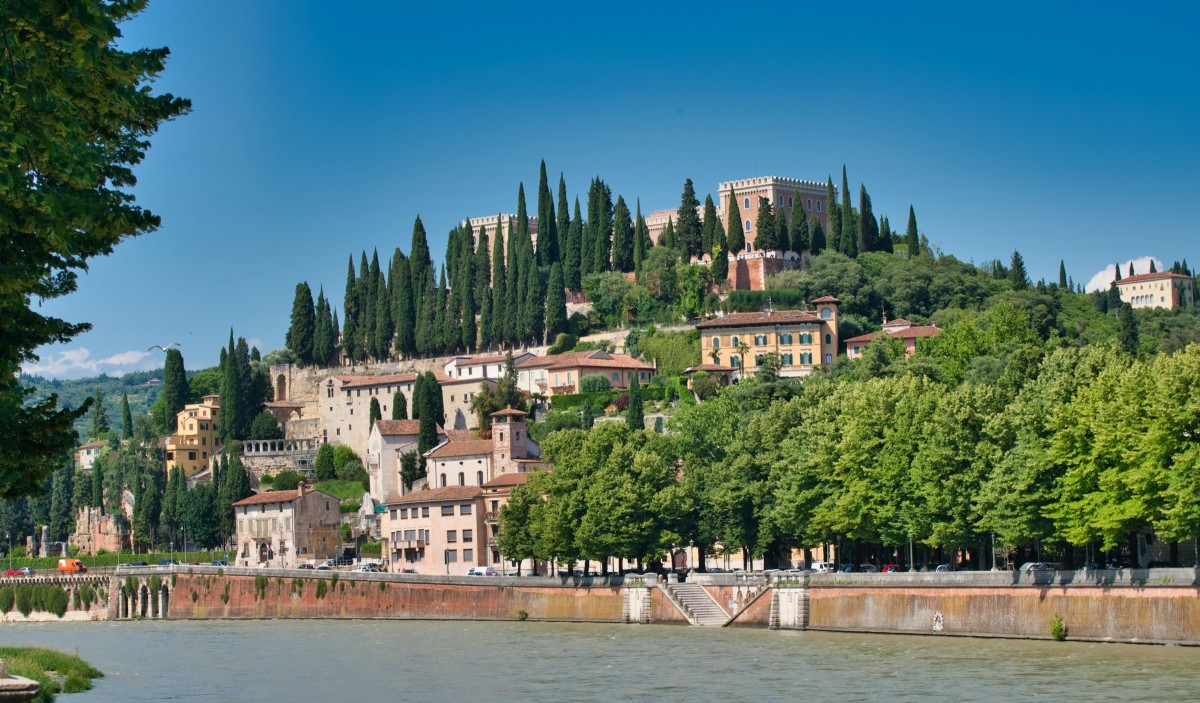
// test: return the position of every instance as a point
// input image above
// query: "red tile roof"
(825, 299)
(593, 358)
(899, 322)
(510, 411)
(710, 367)
(508, 480)
(434, 495)
(906, 333)
(756, 319)
(1144, 277)
(390, 428)
(92, 444)
(269, 497)
(495, 359)
(462, 447)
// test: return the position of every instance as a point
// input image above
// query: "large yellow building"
(197, 437)
(1157, 290)
(803, 339)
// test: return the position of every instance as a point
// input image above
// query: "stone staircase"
(695, 603)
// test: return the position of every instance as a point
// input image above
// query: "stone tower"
(509, 441)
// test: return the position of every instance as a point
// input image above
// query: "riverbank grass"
(56, 672)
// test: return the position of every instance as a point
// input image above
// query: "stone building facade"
(282, 529)
(1158, 290)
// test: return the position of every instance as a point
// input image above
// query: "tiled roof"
(463, 447)
(593, 358)
(906, 333)
(93, 444)
(899, 322)
(269, 497)
(390, 428)
(359, 381)
(825, 299)
(1144, 277)
(508, 480)
(434, 495)
(477, 360)
(755, 319)
(510, 411)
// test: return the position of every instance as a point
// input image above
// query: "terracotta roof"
(899, 322)
(906, 333)
(358, 381)
(710, 367)
(434, 495)
(508, 480)
(756, 319)
(593, 358)
(92, 444)
(510, 411)
(825, 299)
(390, 428)
(1157, 276)
(495, 359)
(269, 497)
(462, 447)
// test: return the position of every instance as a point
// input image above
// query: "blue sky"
(322, 129)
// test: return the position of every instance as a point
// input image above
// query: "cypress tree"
(783, 241)
(766, 231)
(175, 390)
(640, 235)
(523, 236)
(300, 334)
(365, 329)
(816, 238)
(571, 258)
(667, 238)
(61, 492)
(399, 406)
(849, 228)
(419, 398)
(912, 239)
(499, 296)
(533, 304)
(1062, 274)
(1131, 273)
(374, 413)
(556, 303)
(868, 228)
(833, 217)
(600, 221)
(420, 263)
(1117, 271)
(98, 486)
(126, 416)
(515, 290)
(734, 230)
(322, 341)
(798, 236)
(634, 416)
(482, 268)
(623, 237)
(708, 227)
(384, 329)
(547, 247)
(1152, 268)
(468, 338)
(100, 425)
(587, 242)
(1127, 331)
(563, 222)
(440, 324)
(231, 385)
(433, 391)
(720, 261)
(350, 321)
(687, 230)
(1016, 272)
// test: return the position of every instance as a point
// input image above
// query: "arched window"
(443, 480)
(828, 338)
(734, 362)
(716, 342)
(747, 225)
(747, 201)
(734, 342)
(826, 313)
(462, 479)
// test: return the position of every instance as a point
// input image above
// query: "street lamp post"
(993, 550)
(912, 566)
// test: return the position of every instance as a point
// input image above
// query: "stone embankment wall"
(82, 604)
(281, 594)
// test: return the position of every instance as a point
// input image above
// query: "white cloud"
(78, 363)
(1104, 277)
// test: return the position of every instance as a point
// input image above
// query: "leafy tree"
(410, 469)
(68, 173)
(323, 466)
(399, 406)
(374, 414)
(1128, 332)
(594, 383)
(303, 327)
(734, 229)
(234, 485)
(265, 426)
(199, 516)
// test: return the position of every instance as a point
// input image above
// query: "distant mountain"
(142, 386)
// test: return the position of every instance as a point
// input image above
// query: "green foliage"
(322, 590)
(553, 422)
(594, 383)
(265, 426)
(1058, 631)
(260, 587)
(563, 342)
(672, 352)
(56, 672)
(7, 599)
(342, 490)
(287, 480)
(323, 465)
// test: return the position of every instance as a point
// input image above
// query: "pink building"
(901, 329)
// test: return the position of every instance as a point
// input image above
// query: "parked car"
(481, 571)
(366, 569)
(167, 562)
(219, 562)
(944, 568)
(868, 568)
(822, 567)
(23, 571)
(305, 566)
(324, 567)
(890, 568)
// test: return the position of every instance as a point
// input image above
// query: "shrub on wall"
(7, 598)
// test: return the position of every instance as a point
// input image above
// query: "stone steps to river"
(695, 602)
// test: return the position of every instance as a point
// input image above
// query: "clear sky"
(1066, 131)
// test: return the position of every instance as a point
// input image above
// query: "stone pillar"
(44, 550)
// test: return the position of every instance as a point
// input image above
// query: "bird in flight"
(159, 346)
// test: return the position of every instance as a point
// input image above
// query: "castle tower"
(827, 310)
(509, 441)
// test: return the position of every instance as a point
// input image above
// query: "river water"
(284, 661)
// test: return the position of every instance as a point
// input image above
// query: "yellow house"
(196, 437)
(803, 339)
(1157, 290)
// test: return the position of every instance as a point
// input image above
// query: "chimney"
(302, 487)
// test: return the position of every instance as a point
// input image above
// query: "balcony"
(491, 516)
(410, 544)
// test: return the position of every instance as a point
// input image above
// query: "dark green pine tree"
(374, 413)
(533, 305)
(798, 240)
(175, 392)
(1016, 272)
(868, 228)
(1127, 329)
(426, 331)
(420, 263)
(250, 391)
(366, 306)
(634, 416)
(97, 497)
(516, 289)
(734, 229)
(322, 334)
(687, 229)
(816, 237)
(849, 225)
(708, 226)
(499, 312)
(299, 337)
(556, 303)
(833, 218)
(482, 268)
(465, 291)
(442, 321)
(433, 391)
(1152, 268)
(765, 229)
(641, 239)
(399, 406)
(547, 247)
(623, 237)
(350, 319)
(234, 485)
(782, 240)
(62, 515)
(911, 238)
(720, 261)
(231, 392)
(126, 417)
(100, 425)
(1131, 273)
(384, 328)
(666, 238)
(1062, 274)
(404, 313)
(573, 251)
(562, 224)
(1117, 271)
(420, 405)
(600, 221)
